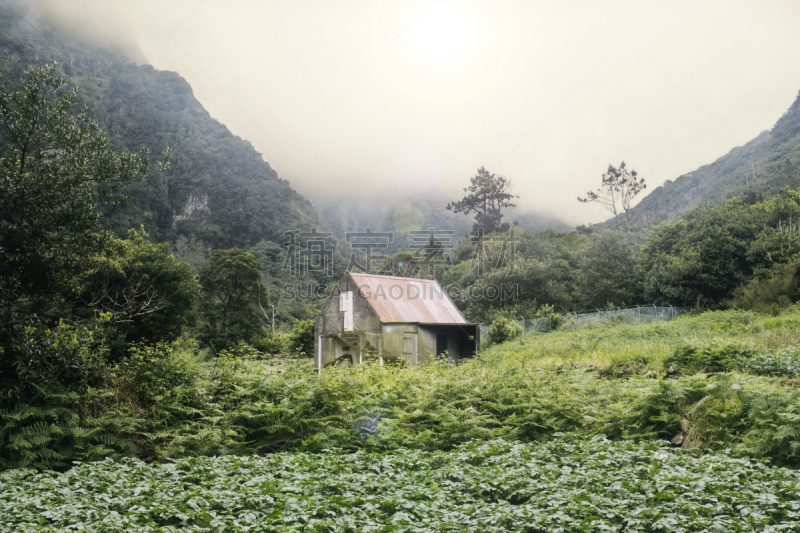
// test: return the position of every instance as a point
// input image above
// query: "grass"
(650, 343)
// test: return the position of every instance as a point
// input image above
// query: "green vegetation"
(618, 189)
(722, 380)
(301, 340)
(232, 290)
(150, 367)
(487, 197)
(148, 293)
(562, 485)
(78, 390)
(734, 254)
(218, 192)
(55, 171)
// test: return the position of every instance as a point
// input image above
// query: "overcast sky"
(391, 99)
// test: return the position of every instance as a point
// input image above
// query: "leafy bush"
(49, 436)
(714, 357)
(502, 330)
(302, 337)
(151, 371)
(54, 360)
(565, 484)
(658, 414)
(725, 357)
(148, 293)
(769, 296)
(271, 344)
(232, 299)
(622, 366)
(775, 422)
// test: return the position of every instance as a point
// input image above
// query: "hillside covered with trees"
(219, 192)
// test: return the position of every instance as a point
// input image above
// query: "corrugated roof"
(397, 299)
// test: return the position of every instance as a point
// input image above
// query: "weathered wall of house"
(333, 342)
(393, 338)
(364, 317)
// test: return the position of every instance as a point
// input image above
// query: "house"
(391, 318)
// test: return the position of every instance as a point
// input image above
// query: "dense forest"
(218, 192)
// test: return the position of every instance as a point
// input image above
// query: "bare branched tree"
(137, 298)
(618, 189)
(780, 244)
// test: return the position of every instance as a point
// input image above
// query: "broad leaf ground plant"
(565, 484)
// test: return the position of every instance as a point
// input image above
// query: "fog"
(391, 101)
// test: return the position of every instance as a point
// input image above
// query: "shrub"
(502, 330)
(271, 344)
(302, 337)
(783, 363)
(151, 371)
(714, 357)
(769, 296)
(66, 357)
(41, 424)
(150, 295)
(49, 436)
(232, 298)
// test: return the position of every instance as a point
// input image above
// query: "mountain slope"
(219, 192)
(763, 166)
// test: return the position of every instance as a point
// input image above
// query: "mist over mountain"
(219, 193)
(401, 216)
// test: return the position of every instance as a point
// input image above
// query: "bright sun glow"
(443, 34)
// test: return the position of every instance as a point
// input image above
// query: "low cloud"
(100, 24)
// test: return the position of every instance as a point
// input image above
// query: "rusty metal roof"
(410, 300)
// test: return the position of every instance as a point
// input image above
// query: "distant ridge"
(763, 166)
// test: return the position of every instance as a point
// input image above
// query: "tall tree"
(149, 294)
(486, 196)
(609, 271)
(618, 189)
(232, 298)
(56, 168)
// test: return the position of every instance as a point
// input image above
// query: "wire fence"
(570, 321)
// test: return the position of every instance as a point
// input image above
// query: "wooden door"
(410, 348)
